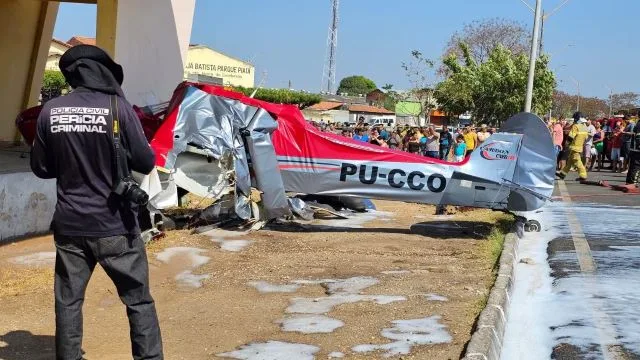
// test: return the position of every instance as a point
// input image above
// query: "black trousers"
(125, 261)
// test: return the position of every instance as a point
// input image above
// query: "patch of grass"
(479, 305)
(492, 248)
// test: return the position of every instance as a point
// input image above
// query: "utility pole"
(610, 100)
(329, 71)
(578, 87)
(539, 18)
(542, 19)
(533, 56)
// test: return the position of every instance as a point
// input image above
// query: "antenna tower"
(329, 71)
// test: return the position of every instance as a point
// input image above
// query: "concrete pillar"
(150, 38)
(151, 45)
(27, 28)
(106, 24)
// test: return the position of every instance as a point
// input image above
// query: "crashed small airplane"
(214, 142)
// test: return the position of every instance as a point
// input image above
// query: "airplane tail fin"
(536, 164)
(521, 158)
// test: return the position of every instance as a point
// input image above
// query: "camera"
(128, 189)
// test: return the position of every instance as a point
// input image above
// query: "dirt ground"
(443, 276)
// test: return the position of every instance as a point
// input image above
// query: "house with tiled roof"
(340, 112)
(81, 40)
(327, 111)
(369, 110)
(56, 49)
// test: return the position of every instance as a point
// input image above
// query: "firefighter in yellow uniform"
(578, 135)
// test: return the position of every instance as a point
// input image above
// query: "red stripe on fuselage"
(308, 167)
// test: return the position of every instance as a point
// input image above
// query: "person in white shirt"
(588, 144)
(483, 134)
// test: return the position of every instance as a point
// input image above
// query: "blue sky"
(287, 38)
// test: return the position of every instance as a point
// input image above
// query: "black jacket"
(74, 145)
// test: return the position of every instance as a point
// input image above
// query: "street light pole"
(578, 86)
(533, 56)
(610, 100)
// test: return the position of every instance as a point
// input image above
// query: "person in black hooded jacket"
(91, 224)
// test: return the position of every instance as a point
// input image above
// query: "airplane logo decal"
(497, 151)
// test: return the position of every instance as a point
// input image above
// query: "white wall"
(152, 39)
(26, 205)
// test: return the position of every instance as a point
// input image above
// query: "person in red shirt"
(611, 124)
(558, 137)
(616, 145)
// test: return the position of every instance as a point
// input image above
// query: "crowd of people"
(583, 144)
(446, 144)
(580, 143)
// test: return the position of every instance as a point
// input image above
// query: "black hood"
(90, 67)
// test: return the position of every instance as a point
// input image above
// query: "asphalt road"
(594, 257)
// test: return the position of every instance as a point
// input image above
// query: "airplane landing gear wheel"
(532, 226)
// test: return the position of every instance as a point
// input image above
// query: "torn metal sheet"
(220, 129)
(199, 175)
(300, 208)
(265, 165)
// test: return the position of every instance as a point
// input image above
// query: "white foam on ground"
(220, 236)
(273, 350)
(591, 312)
(336, 355)
(234, 245)
(341, 291)
(527, 334)
(351, 285)
(265, 287)
(407, 334)
(192, 254)
(356, 220)
(395, 272)
(187, 278)
(193, 259)
(435, 297)
(326, 304)
(43, 258)
(221, 233)
(310, 324)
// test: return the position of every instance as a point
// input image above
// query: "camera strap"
(120, 166)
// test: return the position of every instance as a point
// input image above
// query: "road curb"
(486, 341)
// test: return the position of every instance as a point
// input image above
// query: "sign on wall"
(204, 61)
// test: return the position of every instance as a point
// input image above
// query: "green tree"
(54, 81)
(493, 90)
(356, 85)
(391, 97)
(282, 96)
